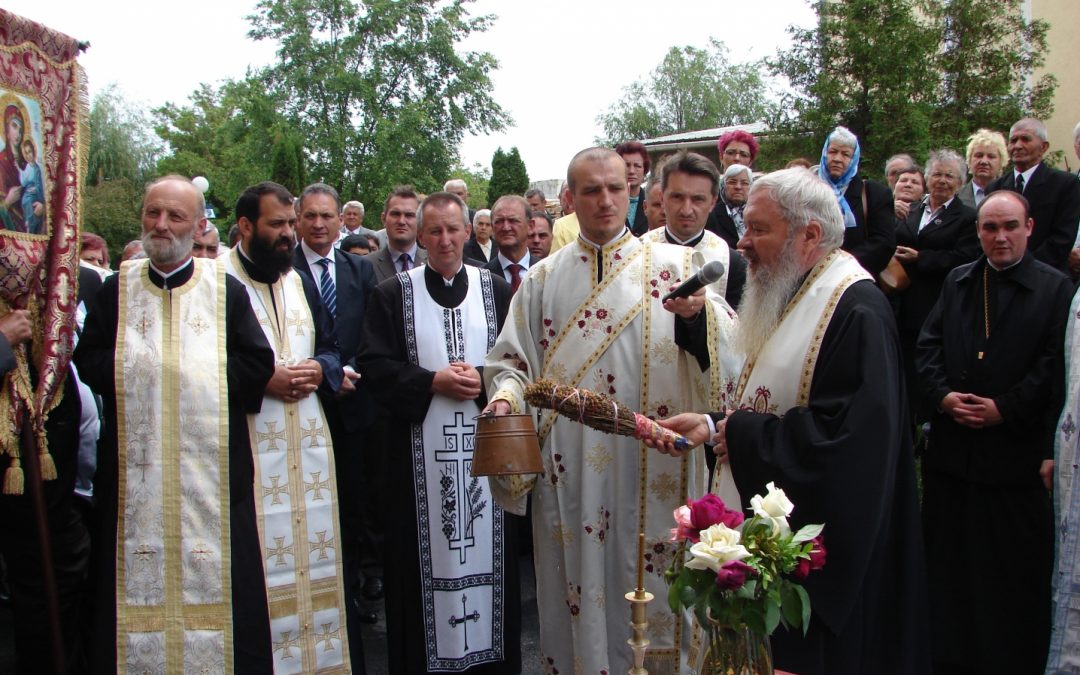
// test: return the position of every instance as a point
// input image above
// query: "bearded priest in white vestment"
(591, 316)
(296, 499)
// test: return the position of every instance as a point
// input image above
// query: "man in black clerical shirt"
(425, 337)
(172, 211)
(990, 361)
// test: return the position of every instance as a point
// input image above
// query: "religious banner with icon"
(43, 102)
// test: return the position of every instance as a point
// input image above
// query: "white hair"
(1076, 132)
(736, 169)
(945, 156)
(1036, 126)
(802, 197)
(353, 205)
(843, 136)
(455, 183)
(478, 214)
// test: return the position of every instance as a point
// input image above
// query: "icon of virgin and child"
(22, 181)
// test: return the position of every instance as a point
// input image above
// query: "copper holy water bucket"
(505, 445)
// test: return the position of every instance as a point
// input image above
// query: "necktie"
(327, 288)
(406, 262)
(515, 276)
(1020, 183)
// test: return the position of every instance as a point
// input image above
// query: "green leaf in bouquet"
(755, 619)
(772, 614)
(747, 590)
(807, 532)
(674, 592)
(805, 607)
(688, 596)
(790, 604)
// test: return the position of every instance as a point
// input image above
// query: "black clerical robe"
(991, 611)
(405, 390)
(250, 363)
(845, 460)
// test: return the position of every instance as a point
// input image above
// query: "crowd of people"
(265, 432)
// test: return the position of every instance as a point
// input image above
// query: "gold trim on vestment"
(172, 618)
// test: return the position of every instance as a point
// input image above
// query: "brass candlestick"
(638, 599)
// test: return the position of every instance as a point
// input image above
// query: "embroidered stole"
(173, 574)
(634, 286)
(461, 531)
(711, 247)
(296, 495)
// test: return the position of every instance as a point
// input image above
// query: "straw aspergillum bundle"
(599, 411)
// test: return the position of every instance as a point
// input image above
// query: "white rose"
(775, 507)
(719, 545)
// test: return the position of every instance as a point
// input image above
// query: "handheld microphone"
(710, 272)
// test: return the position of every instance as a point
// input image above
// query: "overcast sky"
(561, 62)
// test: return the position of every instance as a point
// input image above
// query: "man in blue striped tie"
(344, 281)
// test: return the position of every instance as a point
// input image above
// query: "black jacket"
(1054, 198)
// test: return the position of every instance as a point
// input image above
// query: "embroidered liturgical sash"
(296, 495)
(769, 383)
(461, 531)
(173, 582)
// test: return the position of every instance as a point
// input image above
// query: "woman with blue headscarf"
(867, 206)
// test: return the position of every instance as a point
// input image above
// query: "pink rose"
(710, 510)
(733, 575)
(802, 569)
(817, 554)
(685, 529)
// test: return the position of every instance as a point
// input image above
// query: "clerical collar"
(691, 242)
(178, 277)
(256, 274)
(601, 247)
(1006, 268)
(436, 277)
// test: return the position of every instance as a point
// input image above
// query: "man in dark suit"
(637, 167)
(725, 220)
(344, 282)
(990, 361)
(510, 221)
(479, 246)
(398, 218)
(1054, 195)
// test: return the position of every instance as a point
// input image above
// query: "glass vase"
(735, 651)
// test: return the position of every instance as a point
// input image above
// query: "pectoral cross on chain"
(456, 621)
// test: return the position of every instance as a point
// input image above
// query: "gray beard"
(167, 254)
(766, 296)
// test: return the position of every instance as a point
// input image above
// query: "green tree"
(120, 160)
(378, 89)
(863, 66)
(691, 89)
(287, 165)
(907, 76)
(224, 134)
(508, 175)
(985, 64)
(476, 179)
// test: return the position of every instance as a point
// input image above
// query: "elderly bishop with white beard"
(821, 412)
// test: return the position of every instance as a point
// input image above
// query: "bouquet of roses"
(736, 571)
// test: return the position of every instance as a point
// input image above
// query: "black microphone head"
(711, 272)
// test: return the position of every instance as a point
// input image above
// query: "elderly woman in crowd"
(986, 154)
(867, 206)
(94, 250)
(910, 189)
(938, 235)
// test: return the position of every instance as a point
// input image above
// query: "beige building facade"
(1062, 61)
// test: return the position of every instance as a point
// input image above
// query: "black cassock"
(845, 460)
(405, 390)
(987, 517)
(249, 367)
